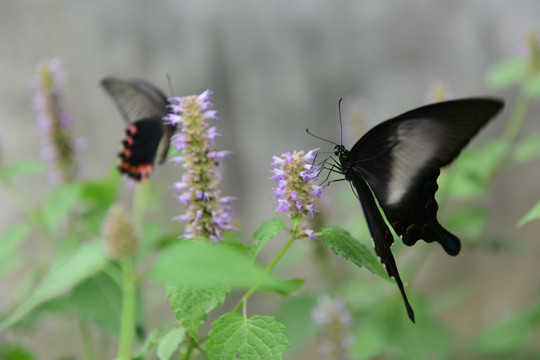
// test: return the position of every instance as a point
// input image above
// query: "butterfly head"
(341, 152)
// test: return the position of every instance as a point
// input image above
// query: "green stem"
(243, 301)
(127, 325)
(188, 351)
(516, 119)
(87, 342)
(140, 202)
(268, 269)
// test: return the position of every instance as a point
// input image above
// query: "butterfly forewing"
(142, 106)
(136, 99)
(397, 152)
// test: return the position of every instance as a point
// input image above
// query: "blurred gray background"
(277, 68)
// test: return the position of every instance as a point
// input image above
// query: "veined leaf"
(170, 342)
(266, 231)
(200, 264)
(256, 338)
(342, 243)
(191, 304)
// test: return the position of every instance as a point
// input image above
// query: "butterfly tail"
(449, 242)
(382, 237)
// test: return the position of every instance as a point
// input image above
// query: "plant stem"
(140, 202)
(243, 301)
(188, 352)
(87, 342)
(516, 119)
(268, 269)
(127, 325)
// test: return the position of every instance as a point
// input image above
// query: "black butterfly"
(147, 136)
(399, 161)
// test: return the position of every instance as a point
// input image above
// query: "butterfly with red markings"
(147, 136)
(397, 164)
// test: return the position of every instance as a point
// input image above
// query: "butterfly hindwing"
(139, 148)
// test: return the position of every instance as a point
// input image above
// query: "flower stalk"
(208, 213)
(121, 241)
(59, 147)
(297, 189)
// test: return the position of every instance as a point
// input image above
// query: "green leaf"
(266, 231)
(507, 73)
(101, 191)
(235, 337)
(170, 342)
(20, 169)
(10, 240)
(285, 287)
(532, 86)
(203, 264)
(510, 335)
(151, 341)
(528, 148)
(14, 352)
(295, 315)
(533, 214)
(192, 304)
(384, 333)
(58, 204)
(97, 300)
(342, 243)
(62, 277)
(97, 196)
(369, 341)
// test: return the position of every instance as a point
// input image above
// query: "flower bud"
(119, 233)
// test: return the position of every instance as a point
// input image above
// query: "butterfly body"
(397, 163)
(147, 136)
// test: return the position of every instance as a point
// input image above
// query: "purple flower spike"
(296, 190)
(335, 321)
(59, 147)
(208, 213)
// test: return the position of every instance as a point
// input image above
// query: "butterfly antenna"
(320, 138)
(340, 122)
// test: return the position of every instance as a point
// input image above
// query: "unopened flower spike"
(297, 187)
(119, 233)
(59, 147)
(208, 214)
